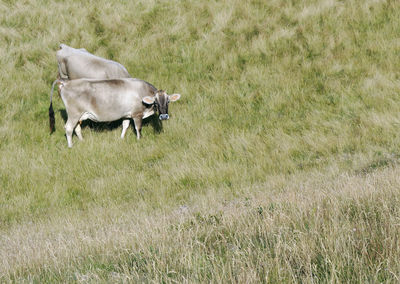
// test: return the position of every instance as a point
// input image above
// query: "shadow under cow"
(112, 125)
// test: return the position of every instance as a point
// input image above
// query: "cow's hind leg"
(78, 131)
(138, 126)
(125, 125)
(69, 129)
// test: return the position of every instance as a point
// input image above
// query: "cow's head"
(160, 102)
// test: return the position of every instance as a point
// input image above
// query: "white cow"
(79, 63)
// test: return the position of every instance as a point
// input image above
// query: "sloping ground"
(279, 162)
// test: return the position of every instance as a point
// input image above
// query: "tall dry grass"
(303, 228)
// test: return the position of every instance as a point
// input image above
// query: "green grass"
(279, 162)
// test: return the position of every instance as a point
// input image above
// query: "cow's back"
(142, 87)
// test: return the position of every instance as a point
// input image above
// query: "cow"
(76, 63)
(109, 100)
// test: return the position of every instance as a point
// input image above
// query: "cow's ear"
(174, 97)
(148, 100)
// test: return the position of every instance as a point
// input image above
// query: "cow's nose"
(164, 116)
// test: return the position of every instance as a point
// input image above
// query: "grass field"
(280, 162)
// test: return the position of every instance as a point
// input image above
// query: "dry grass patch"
(298, 228)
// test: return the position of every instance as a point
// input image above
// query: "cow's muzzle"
(164, 116)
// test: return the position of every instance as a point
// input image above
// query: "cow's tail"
(52, 119)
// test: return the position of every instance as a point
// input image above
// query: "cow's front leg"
(78, 131)
(125, 125)
(138, 125)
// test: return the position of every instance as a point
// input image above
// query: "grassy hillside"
(279, 163)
